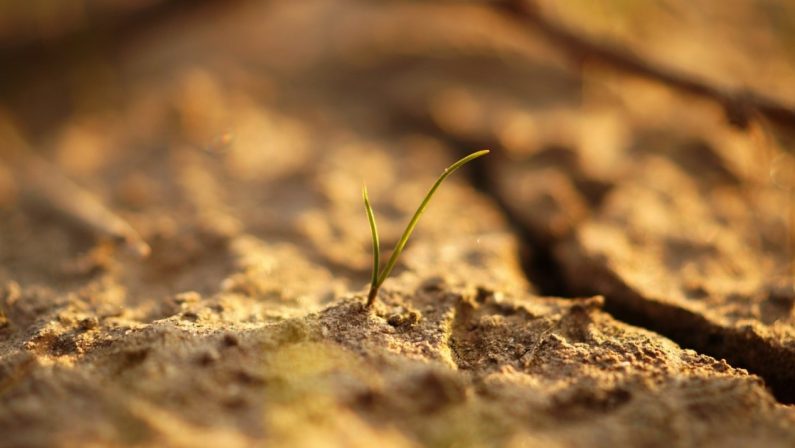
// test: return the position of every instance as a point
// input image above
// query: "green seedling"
(379, 276)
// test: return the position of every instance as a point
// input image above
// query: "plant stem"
(376, 247)
(371, 296)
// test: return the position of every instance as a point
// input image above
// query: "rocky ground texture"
(184, 252)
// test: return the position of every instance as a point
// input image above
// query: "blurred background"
(117, 98)
(160, 155)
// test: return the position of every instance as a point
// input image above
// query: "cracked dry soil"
(533, 306)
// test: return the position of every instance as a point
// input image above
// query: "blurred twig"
(46, 186)
(741, 106)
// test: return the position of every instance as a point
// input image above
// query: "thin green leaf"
(413, 223)
(374, 231)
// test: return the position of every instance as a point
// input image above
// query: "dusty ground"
(618, 272)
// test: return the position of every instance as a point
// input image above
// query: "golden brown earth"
(184, 252)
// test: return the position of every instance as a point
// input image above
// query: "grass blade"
(374, 231)
(413, 223)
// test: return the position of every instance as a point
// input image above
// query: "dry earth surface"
(618, 272)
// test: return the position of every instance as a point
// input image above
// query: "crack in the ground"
(743, 349)
(536, 256)
(545, 272)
